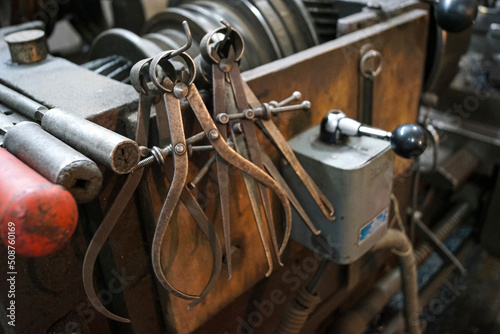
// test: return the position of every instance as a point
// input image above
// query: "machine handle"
(36, 217)
(407, 140)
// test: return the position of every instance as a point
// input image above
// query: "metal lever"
(370, 67)
(407, 140)
(296, 96)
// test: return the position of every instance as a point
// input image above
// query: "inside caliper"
(236, 116)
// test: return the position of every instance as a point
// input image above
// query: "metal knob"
(455, 15)
(407, 140)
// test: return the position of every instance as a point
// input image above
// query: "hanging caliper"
(221, 52)
(177, 86)
(168, 112)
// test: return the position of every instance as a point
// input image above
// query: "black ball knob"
(409, 140)
(455, 15)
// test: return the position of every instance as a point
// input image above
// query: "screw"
(213, 134)
(167, 151)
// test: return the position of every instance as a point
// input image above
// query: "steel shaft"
(55, 160)
(115, 151)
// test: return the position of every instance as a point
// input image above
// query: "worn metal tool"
(220, 55)
(115, 151)
(223, 49)
(169, 116)
(36, 217)
(222, 148)
(53, 159)
(139, 79)
(269, 128)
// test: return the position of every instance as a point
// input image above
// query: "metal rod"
(201, 174)
(312, 286)
(374, 133)
(21, 103)
(296, 96)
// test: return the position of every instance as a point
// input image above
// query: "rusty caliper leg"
(121, 200)
(168, 111)
(230, 155)
(222, 167)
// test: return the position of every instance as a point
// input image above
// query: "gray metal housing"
(357, 178)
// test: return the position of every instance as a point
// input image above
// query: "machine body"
(357, 177)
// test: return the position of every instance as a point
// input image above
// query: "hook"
(227, 34)
(189, 40)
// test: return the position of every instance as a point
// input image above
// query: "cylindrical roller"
(104, 146)
(56, 161)
(36, 216)
(27, 46)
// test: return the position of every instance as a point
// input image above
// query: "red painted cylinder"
(37, 217)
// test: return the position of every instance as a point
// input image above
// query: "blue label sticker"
(373, 225)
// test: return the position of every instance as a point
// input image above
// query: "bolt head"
(249, 114)
(223, 118)
(214, 134)
(238, 128)
(180, 149)
(181, 90)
